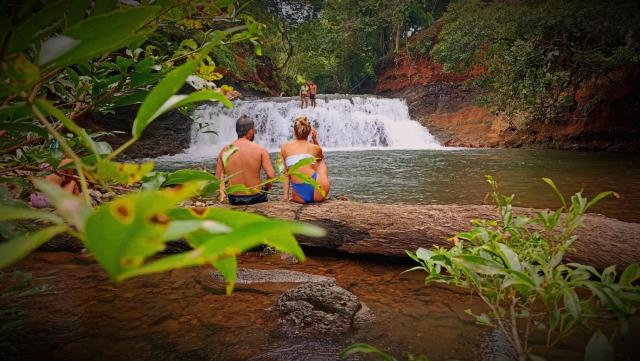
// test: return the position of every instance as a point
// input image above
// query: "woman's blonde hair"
(302, 127)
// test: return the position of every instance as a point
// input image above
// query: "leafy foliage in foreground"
(515, 265)
(86, 54)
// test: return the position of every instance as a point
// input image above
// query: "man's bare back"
(245, 164)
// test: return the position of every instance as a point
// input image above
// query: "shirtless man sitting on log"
(243, 160)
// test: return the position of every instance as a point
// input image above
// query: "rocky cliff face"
(448, 106)
(169, 134)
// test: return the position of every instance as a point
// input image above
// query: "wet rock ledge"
(388, 230)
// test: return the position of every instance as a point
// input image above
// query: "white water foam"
(343, 123)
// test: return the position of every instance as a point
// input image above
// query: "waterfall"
(343, 123)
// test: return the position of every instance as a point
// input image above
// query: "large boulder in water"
(321, 308)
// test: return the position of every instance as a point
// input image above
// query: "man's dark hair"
(243, 124)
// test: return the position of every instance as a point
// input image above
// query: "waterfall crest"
(343, 123)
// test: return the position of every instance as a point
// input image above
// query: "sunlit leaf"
(188, 175)
(597, 199)
(228, 152)
(630, 274)
(124, 173)
(228, 267)
(556, 190)
(136, 225)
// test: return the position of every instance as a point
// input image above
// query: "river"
(376, 153)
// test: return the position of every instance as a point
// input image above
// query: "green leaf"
(228, 267)
(18, 74)
(214, 247)
(424, 254)
(46, 107)
(103, 6)
(556, 190)
(232, 218)
(124, 173)
(13, 213)
(17, 248)
(239, 189)
(180, 228)
(630, 274)
(37, 26)
(228, 152)
(97, 35)
(123, 64)
(510, 257)
(597, 199)
(76, 11)
(598, 348)
(70, 207)
(480, 265)
(129, 99)
(188, 175)
(211, 189)
(15, 111)
(301, 163)
(123, 233)
(146, 116)
(308, 180)
(365, 348)
(571, 302)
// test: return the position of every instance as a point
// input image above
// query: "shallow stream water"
(185, 315)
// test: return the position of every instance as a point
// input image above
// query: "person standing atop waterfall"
(242, 160)
(297, 150)
(304, 95)
(313, 91)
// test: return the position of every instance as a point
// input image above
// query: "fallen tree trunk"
(390, 229)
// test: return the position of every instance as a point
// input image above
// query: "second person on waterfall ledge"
(297, 150)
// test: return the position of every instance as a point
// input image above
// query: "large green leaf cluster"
(537, 54)
(66, 58)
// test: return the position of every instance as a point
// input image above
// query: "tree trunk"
(390, 229)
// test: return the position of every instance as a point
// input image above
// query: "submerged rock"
(321, 308)
(249, 276)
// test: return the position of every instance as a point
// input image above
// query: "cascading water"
(343, 122)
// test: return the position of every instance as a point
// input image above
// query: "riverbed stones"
(321, 308)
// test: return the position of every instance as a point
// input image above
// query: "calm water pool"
(458, 176)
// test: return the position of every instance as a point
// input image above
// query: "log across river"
(390, 229)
